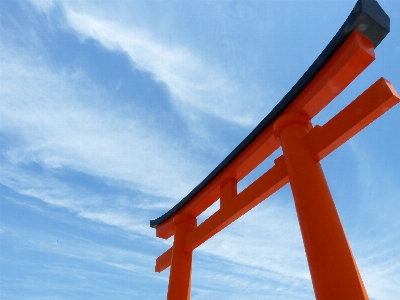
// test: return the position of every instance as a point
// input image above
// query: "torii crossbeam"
(334, 272)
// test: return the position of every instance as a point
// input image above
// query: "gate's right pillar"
(332, 266)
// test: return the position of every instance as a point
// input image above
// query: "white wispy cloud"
(381, 271)
(375, 239)
(63, 120)
(95, 207)
(196, 86)
(79, 248)
(230, 282)
(377, 187)
(60, 120)
(43, 5)
(271, 234)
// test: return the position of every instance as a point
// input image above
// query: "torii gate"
(333, 269)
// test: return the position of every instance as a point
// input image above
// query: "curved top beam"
(368, 18)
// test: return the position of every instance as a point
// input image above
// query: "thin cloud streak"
(43, 5)
(194, 85)
(56, 128)
(379, 258)
(79, 248)
(377, 188)
(381, 275)
(87, 205)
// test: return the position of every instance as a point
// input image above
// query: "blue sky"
(113, 111)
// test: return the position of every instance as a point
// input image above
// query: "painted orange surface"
(333, 269)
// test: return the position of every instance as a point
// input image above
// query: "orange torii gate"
(334, 272)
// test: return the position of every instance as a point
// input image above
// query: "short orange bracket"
(263, 187)
(228, 192)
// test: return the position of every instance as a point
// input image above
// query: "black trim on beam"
(368, 18)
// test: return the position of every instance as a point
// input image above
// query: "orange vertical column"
(332, 266)
(181, 263)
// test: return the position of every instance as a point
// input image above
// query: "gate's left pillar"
(181, 263)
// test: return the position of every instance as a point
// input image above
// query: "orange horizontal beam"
(262, 188)
(347, 63)
(370, 105)
(164, 260)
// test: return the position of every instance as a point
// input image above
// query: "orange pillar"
(332, 266)
(181, 263)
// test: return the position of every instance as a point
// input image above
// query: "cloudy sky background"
(113, 111)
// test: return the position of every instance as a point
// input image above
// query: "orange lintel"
(347, 63)
(164, 260)
(366, 108)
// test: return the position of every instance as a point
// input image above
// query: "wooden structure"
(332, 266)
